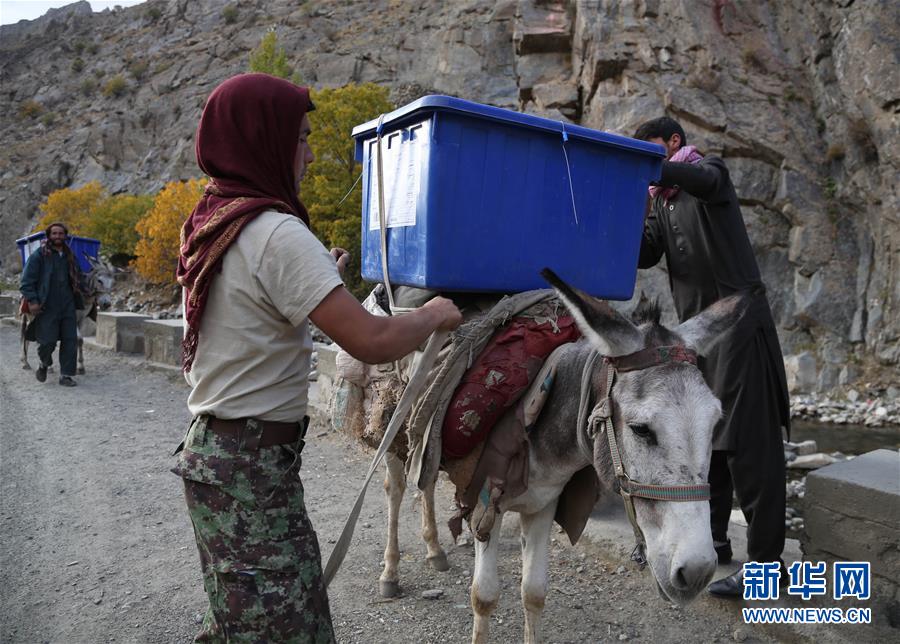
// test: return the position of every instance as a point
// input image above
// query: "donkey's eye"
(643, 431)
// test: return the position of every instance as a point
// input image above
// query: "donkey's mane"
(647, 311)
(647, 315)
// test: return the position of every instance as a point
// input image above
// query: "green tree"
(269, 58)
(335, 170)
(114, 220)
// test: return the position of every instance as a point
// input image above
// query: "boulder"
(811, 461)
(801, 372)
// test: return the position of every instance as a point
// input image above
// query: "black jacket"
(702, 234)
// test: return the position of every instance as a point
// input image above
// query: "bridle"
(604, 419)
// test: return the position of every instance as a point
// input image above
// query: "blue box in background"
(82, 247)
(478, 198)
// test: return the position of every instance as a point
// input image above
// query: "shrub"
(835, 152)
(138, 68)
(73, 207)
(163, 65)
(77, 65)
(113, 221)
(754, 58)
(88, 85)
(79, 46)
(160, 230)
(48, 119)
(93, 48)
(115, 86)
(335, 170)
(153, 13)
(230, 14)
(269, 58)
(30, 109)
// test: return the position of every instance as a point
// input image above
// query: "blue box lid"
(40, 235)
(439, 103)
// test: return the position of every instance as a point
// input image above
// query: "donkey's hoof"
(26, 367)
(388, 589)
(439, 562)
(80, 371)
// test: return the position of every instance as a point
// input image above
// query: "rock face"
(801, 99)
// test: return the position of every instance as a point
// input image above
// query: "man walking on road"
(50, 284)
(253, 276)
(696, 222)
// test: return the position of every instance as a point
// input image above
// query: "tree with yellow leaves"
(72, 207)
(160, 230)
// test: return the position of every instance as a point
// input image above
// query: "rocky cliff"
(801, 98)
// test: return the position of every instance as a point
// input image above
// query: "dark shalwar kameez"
(702, 234)
(47, 280)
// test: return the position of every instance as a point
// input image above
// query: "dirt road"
(97, 547)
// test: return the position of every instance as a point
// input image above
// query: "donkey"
(658, 419)
(98, 283)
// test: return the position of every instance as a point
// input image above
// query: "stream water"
(848, 439)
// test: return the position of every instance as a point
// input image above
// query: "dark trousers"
(755, 474)
(55, 327)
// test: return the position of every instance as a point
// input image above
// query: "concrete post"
(121, 331)
(162, 341)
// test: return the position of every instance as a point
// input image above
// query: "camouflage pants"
(262, 569)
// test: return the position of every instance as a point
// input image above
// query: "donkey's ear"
(607, 330)
(706, 328)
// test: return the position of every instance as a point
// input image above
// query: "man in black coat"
(51, 283)
(696, 222)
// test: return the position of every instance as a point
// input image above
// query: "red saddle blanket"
(498, 378)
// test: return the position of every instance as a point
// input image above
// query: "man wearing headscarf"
(253, 275)
(50, 284)
(695, 221)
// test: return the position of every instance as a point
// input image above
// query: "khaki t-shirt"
(253, 355)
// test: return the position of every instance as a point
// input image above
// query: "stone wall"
(800, 98)
(852, 513)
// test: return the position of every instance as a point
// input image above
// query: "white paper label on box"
(404, 151)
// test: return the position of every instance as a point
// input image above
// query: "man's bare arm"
(374, 339)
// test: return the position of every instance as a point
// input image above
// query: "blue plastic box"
(81, 246)
(480, 198)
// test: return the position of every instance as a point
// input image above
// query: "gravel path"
(97, 547)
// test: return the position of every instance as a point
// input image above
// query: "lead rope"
(410, 393)
(382, 222)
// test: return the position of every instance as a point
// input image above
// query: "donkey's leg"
(436, 555)
(485, 583)
(535, 546)
(25, 364)
(80, 341)
(394, 486)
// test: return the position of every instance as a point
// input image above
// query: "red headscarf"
(246, 143)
